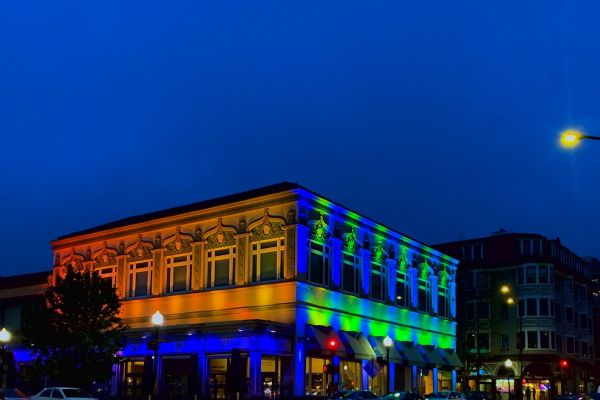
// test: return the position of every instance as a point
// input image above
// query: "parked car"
(359, 395)
(70, 393)
(443, 396)
(12, 394)
(402, 396)
(338, 395)
(569, 396)
(474, 395)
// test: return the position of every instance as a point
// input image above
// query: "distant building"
(551, 290)
(21, 299)
(253, 286)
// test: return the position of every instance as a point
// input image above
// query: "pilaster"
(301, 252)
(413, 274)
(390, 271)
(336, 263)
(157, 271)
(122, 275)
(197, 262)
(365, 270)
(433, 284)
(243, 267)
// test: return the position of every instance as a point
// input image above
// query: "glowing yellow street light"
(572, 137)
(505, 289)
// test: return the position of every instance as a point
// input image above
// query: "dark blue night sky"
(438, 118)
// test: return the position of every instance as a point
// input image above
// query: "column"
(434, 376)
(453, 380)
(415, 378)
(255, 358)
(392, 374)
(452, 289)
(299, 365)
(365, 376)
(336, 377)
(289, 267)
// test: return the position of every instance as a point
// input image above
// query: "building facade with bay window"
(252, 286)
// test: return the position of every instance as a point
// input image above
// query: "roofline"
(250, 196)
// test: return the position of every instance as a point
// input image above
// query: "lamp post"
(506, 290)
(157, 321)
(4, 339)
(572, 137)
(387, 342)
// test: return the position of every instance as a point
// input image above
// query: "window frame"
(212, 258)
(135, 268)
(255, 258)
(171, 265)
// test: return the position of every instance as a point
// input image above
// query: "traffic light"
(332, 344)
(564, 363)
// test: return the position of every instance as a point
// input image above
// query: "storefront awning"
(451, 358)
(357, 346)
(317, 336)
(381, 351)
(410, 353)
(431, 356)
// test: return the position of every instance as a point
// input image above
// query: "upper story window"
(267, 260)
(318, 271)
(482, 280)
(569, 315)
(585, 350)
(478, 309)
(443, 303)
(533, 274)
(319, 252)
(378, 273)
(472, 251)
(424, 288)
(531, 247)
(402, 289)
(220, 264)
(570, 344)
(140, 278)
(108, 274)
(178, 262)
(351, 273)
(582, 293)
(542, 339)
(568, 285)
(178, 273)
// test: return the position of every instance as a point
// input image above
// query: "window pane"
(544, 339)
(316, 268)
(401, 297)
(531, 272)
(348, 280)
(531, 306)
(544, 307)
(268, 266)
(543, 274)
(268, 245)
(179, 279)
(221, 273)
(376, 287)
(532, 341)
(422, 299)
(141, 283)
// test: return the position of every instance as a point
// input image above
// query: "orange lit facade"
(253, 286)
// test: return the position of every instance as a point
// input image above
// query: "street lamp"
(4, 339)
(157, 321)
(388, 342)
(572, 137)
(510, 300)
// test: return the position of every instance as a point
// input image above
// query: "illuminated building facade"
(253, 285)
(552, 307)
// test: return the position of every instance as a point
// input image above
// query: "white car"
(70, 393)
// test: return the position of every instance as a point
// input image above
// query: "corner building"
(253, 286)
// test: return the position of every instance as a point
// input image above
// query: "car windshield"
(76, 393)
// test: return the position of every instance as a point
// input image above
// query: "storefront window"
(350, 375)
(316, 380)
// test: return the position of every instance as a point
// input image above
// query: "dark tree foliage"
(76, 338)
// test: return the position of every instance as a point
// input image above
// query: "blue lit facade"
(253, 285)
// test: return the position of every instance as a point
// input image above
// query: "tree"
(76, 338)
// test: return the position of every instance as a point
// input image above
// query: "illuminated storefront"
(253, 285)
